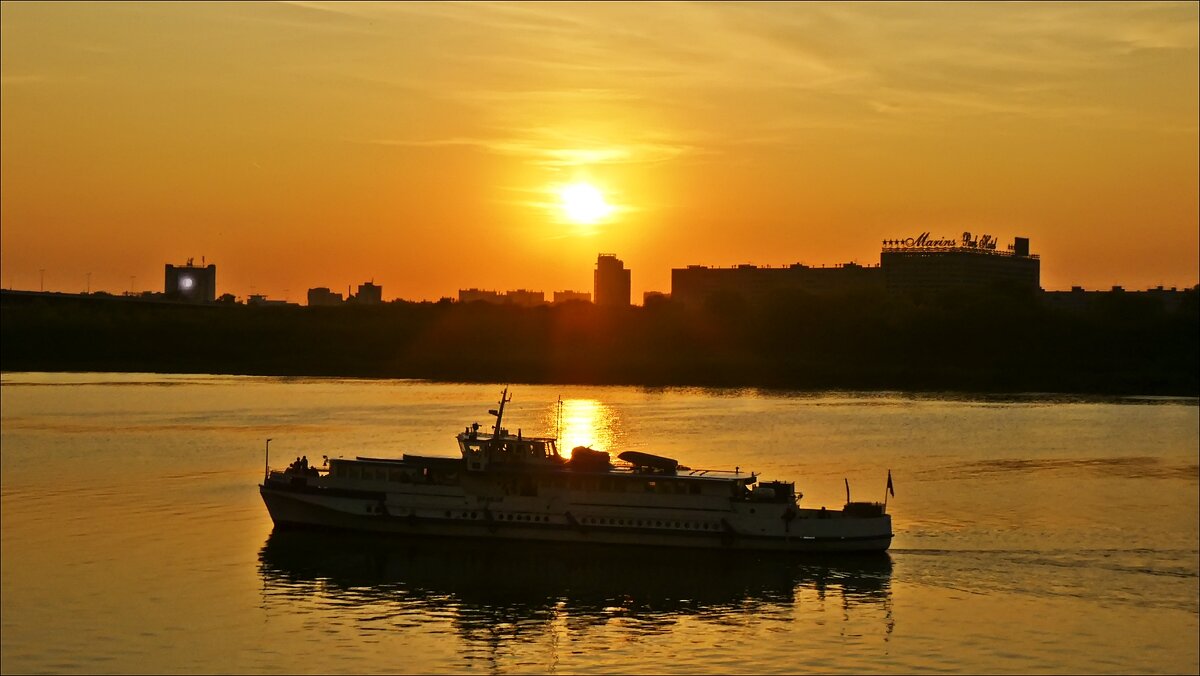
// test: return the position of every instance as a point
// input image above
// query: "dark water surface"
(1033, 534)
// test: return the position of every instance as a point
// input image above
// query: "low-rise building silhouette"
(261, 300)
(474, 295)
(518, 297)
(525, 298)
(369, 293)
(697, 284)
(569, 296)
(323, 296)
(929, 263)
(1080, 300)
(921, 263)
(651, 297)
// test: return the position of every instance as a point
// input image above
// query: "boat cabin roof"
(619, 470)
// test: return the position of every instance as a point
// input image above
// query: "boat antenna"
(499, 413)
(558, 430)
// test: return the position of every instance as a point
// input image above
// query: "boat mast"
(504, 398)
(558, 428)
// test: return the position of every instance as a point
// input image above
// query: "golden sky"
(423, 145)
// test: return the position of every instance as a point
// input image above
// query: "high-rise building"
(611, 280)
(191, 283)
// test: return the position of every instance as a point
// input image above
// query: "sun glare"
(583, 203)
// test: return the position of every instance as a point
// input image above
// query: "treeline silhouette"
(973, 341)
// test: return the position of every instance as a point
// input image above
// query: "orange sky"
(308, 144)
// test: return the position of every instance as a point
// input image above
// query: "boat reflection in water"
(523, 590)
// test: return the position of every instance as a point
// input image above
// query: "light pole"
(267, 462)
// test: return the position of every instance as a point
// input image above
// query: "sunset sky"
(428, 146)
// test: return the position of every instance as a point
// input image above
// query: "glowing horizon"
(303, 145)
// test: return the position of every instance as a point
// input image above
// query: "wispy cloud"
(25, 79)
(745, 73)
(551, 149)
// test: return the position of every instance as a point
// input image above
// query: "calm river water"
(1033, 534)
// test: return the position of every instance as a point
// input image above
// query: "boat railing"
(682, 470)
(725, 470)
(294, 472)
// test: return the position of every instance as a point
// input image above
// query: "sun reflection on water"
(585, 422)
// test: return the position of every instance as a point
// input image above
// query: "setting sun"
(583, 203)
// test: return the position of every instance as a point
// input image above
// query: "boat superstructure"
(507, 486)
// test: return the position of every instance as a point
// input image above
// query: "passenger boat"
(516, 487)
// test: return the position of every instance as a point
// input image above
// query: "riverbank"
(861, 342)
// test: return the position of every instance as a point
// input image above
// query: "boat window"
(650, 487)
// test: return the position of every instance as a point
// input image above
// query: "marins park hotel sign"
(924, 241)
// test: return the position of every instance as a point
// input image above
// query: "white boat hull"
(809, 531)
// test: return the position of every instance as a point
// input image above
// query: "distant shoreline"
(1013, 345)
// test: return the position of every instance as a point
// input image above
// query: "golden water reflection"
(585, 422)
(563, 598)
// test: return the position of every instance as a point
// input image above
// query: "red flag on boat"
(889, 486)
